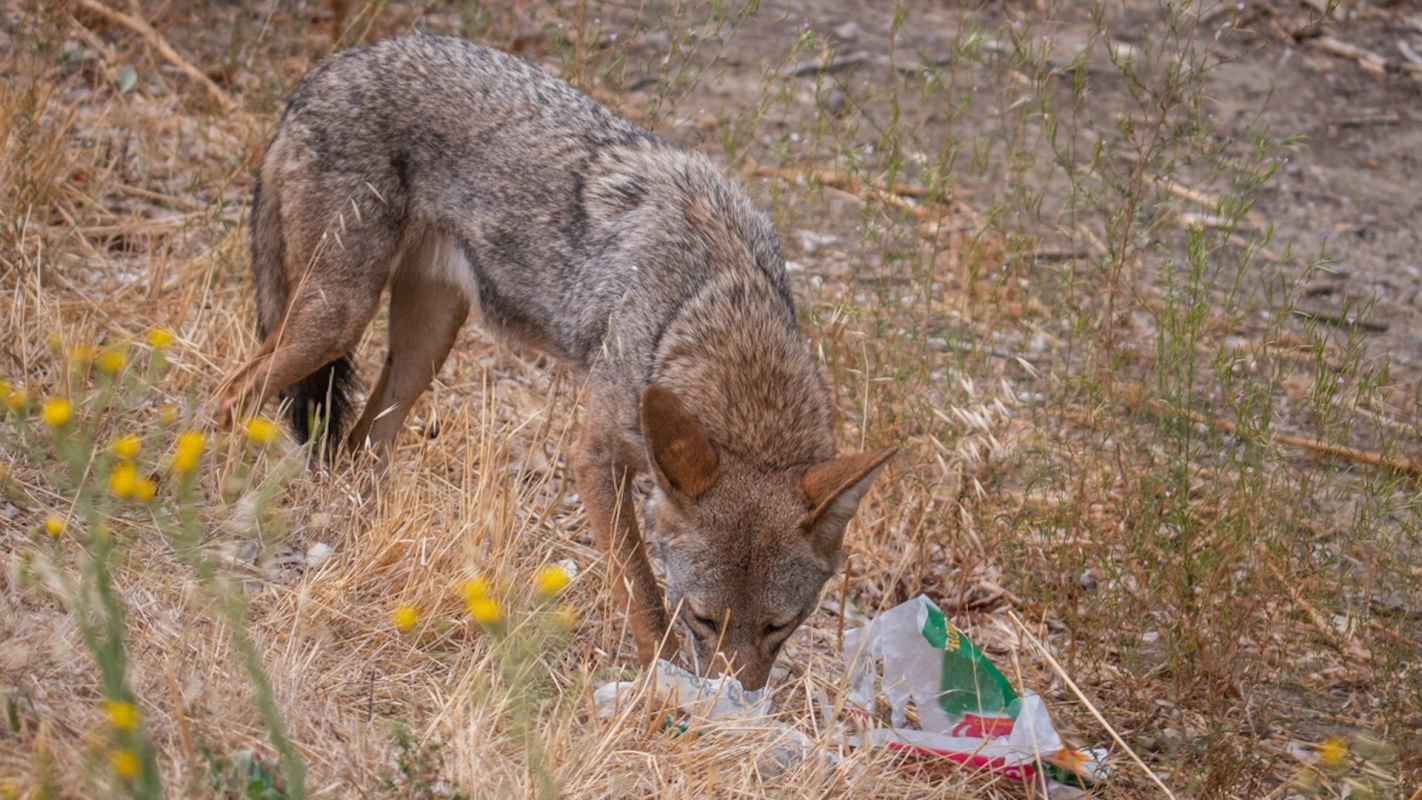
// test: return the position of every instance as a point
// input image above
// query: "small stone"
(847, 32)
(318, 553)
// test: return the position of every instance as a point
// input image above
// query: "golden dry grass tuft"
(1236, 611)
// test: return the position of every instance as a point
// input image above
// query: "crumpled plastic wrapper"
(967, 710)
(721, 699)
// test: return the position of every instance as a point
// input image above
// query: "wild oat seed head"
(126, 764)
(127, 447)
(406, 617)
(160, 337)
(54, 525)
(261, 431)
(189, 452)
(57, 412)
(122, 714)
(551, 580)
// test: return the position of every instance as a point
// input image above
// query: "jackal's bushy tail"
(320, 403)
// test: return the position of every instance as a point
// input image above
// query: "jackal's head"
(746, 549)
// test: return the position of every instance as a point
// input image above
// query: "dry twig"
(1367, 59)
(1407, 466)
(1091, 707)
(892, 195)
(158, 42)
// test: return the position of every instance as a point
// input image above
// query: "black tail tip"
(319, 405)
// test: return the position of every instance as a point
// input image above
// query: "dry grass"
(1215, 596)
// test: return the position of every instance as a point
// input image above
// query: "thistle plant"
(114, 477)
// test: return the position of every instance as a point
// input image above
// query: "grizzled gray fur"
(463, 178)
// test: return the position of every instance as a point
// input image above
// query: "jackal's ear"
(681, 455)
(834, 489)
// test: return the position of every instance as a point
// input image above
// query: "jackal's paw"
(226, 416)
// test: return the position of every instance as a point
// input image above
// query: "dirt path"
(1349, 186)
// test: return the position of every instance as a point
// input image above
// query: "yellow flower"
(167, 415)
(551, 580)
(189, 451)
(127, 446)
(160, 337)
(82, 355)
(261, 430)
(111, 360)
(17, 399)
(1332, 752)
(126, 764)
(123, 481)
(485, 610)
(122, 715)
(57, 412)
(144, 490)
(54, 526)
(474, 589)
(406, 617)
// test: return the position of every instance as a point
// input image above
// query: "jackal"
(462, 177)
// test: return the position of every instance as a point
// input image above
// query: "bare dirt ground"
(1351, 182)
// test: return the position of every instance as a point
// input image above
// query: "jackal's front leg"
(604, 466)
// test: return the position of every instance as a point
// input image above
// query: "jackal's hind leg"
(426, 314)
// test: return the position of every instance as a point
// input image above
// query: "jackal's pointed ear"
(834, 489)
(678, 449)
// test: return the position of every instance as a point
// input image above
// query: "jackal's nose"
(752, 671)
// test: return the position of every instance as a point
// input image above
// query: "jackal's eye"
(772, 630)
(702, 626)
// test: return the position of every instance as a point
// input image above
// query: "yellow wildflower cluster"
(160, 338)
(126, 764)
(16, 397)
(127, 484)
(57, 412)
(261, 431)
(406, 617)
(551, 580)
(1332, 752)
(482, 607)
(55, 525)
(189, 452)
(123, 715)
(111, 361)
(127, 447)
